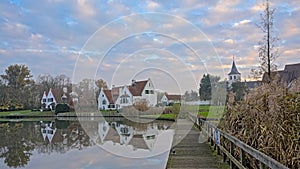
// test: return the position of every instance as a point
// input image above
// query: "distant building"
(128, 95)
(288, 76)
(234, 75)
(54, 96)
(168, 99)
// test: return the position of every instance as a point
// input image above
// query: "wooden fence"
(226, 145)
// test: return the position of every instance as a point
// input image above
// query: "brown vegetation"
(268, 119)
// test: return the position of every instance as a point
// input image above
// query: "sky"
(173, 42)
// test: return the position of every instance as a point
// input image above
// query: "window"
(44, 100)
(234, 77)
(146, 91)
(230, 77)
(103, 95)
(104, 102)
(50, 100)
(151, 91)
(124, 100)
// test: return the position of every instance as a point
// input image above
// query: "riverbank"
(28, 114)
(206, 112)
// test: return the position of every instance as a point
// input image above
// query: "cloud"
(85, 8)
(151, 5)
(242, 22)
(230, 41)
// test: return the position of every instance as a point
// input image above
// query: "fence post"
(231, 150)
(242, 157)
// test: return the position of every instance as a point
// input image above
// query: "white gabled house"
(122, 96)
(125, 97)
(105, 100)
(168, 99)
(54, 96)
(48, 100)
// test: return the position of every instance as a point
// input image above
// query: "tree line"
(18, 89)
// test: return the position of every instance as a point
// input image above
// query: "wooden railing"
(226, 145)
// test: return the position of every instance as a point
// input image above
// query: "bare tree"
(267, 51)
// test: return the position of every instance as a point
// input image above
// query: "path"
(189, 153)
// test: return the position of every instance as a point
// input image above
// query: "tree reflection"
(20, 140)
(15, 146)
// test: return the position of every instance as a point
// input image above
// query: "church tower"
(234, 75)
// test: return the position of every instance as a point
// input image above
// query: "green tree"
(18, 82)
(267, 51)
(17, 76)
(205, 88)
(239, 89)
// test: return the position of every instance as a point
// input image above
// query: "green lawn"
(211, 111)
(161, 116)
(26, 113)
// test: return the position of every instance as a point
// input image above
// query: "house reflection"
(48, 131)
(21, 140)
(140, 137)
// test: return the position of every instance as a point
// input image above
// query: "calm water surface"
(85, 144)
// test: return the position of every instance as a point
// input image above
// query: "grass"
(206, 110)
(161, 116)
(26, 113)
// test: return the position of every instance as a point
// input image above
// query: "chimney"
(132, 82)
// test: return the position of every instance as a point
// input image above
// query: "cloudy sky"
(118, 40)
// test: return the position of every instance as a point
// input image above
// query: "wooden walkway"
(189, 153)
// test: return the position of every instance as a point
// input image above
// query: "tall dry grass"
(268, 119)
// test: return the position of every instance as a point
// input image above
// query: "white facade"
(48, 100)
(124, 96)
(148, 94)
(103, 101)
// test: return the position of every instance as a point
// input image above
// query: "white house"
(54, 96)
(168, 99)
(105, 100)
(128, 95)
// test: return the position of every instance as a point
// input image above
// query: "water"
(85, 144)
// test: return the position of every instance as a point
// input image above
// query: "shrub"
(268, 120)
(60, 108)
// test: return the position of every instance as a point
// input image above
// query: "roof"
(290, 73)
(115, 92)
(173, 96)
(138, 142)
(252, 84)
(137, 87)
(57, 94)
(233, 69)
(109, 96)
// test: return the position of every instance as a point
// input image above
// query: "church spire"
(234, 75)
(233, 68)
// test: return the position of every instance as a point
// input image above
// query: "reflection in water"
(133, 140)
(34, 144)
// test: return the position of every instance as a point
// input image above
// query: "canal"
(85, 143)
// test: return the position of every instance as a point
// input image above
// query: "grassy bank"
(26, 113)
